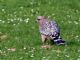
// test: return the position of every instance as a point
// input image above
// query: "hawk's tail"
(58, 41)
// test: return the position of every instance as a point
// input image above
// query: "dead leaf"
(46, 46)
(3, 37)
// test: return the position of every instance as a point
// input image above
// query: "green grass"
(23, 42)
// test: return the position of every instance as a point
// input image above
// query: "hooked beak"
(37, 20)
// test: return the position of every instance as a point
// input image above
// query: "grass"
(19, 34)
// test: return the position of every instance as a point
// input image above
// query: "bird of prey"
(49, 30)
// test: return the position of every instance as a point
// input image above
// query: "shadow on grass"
(74, 43)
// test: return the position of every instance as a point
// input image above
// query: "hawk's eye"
(38, 19)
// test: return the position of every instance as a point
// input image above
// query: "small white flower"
(68, 16)
(14, 24)
(33, 48)
(79, 50)
(8, 22)
(20, 20)
(21, 7)
(8, 19)
(67, 56)
(36, 12)
(69, 22)
(58, 55)
(24, 48)
(21, 58)
(44, 57)
(15, 12)
(3, 10)
(31, 3)
(8, 49)
(77, 36)
(32, 10)
(3, 21)
(53, 14)
(49, 16)
(77, 11)
(26, 20)
(26, 53)
(18, 23)
(76, 22)
(12, 20)
(0, 20)
(32, 55)
(78, 58)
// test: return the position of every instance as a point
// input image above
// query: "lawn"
(19, 33)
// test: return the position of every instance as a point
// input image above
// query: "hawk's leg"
(44, 39)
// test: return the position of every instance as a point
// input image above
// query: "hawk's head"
(40, 18)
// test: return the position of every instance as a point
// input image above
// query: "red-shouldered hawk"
(49, 29)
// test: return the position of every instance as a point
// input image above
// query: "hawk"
(49, 30)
